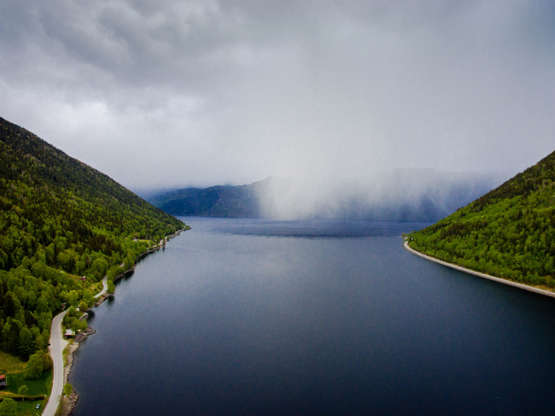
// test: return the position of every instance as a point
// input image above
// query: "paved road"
(104, 288)
(56, 348)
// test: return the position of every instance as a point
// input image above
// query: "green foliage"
(38, 363)
(23, 389)
(68, 389)
(37, 387)
(71, 320)
(10, 363)
(111, 287)
(8, 407)
(508, 232)
(60, 220)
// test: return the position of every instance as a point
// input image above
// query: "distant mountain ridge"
(214, 201)
(508, 232)
(442, 197)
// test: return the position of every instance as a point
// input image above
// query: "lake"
(314, 317)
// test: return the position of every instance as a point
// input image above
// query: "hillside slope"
(60, 219)
(509, 232)
(216, 201)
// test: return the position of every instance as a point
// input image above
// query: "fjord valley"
(509, 232)
(321, 316)
(250, 316)
(359, 240)
(63, 227)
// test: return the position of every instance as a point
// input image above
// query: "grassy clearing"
(14, 367)
(20, 397)
(28, 408)
(10, 363)
(39, 386)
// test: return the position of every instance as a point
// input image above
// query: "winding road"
(56, 348)
(104, 288)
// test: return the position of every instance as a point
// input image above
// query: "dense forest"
(509, 232)
(63, 226)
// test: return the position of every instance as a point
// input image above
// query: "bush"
(68, 389)
(8, 407)
(111, 287)
(37, 364)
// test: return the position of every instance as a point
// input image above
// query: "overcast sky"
(162, 93)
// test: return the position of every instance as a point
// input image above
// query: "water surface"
(253, 317)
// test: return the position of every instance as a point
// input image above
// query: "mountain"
(509, 232)
(394, 196)
(59, 220)
(215, 201)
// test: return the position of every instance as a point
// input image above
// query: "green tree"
(36, 365)
(100, 265)
(58, 216)
(68, 389)
(8, 407)
(26, 343)
(23, 389)
(111, 287)
(83, 306)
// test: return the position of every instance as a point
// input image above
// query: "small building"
(70, 333)
(3, 381)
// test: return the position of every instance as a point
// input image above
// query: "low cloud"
(403, 195)
(203, 92)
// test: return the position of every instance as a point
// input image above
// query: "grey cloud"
(202, 92)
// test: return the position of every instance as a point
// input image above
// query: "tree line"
(509, 232)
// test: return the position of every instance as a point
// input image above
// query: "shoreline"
(66, 404)
(501, 280)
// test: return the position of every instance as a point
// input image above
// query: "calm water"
(252, 317)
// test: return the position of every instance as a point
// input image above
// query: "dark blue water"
(232, 319)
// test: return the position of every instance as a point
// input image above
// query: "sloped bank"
(480, 274)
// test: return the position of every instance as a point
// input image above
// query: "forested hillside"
(60, 220)
(215, 201)
(508, 232)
